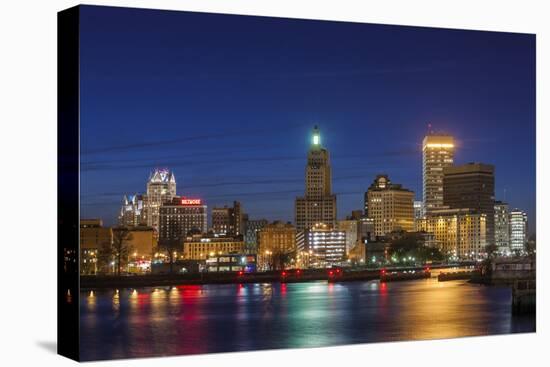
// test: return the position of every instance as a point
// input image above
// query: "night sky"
(228, 103)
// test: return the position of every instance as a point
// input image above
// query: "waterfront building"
(502, 228)
(318, 205)
(472, 186)
(200, 246)
(132, 211)
(161, 188)
(458, 233)
(180, 216)
(275, 241)
(518, 230)
(231, 262)
(390, 206)
(143, 242)
(228, 220)
(437, 153)
(324, 245)
(93, 237)
(252, 228)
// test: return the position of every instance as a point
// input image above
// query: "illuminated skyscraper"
(437, 153)
(319, 204)
(518, 230)
(502, 227)
(161, 188)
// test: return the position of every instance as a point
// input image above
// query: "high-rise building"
(275, 240)
(518, 230)
(502, 227)
(179, 217)
(319, 204)
(228, 220)
(459, 233)
(472, 186)
(437, 153)
(252, 228)
(161, 188)
(390, 206)
(418, 207)
(131, 213)
(324, 246)
(93, 237)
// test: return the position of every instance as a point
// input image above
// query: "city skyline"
(373, 114)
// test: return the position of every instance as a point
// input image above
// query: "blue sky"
(228, 102)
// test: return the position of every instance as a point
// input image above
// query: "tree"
(170, 247)
(412, 245)
(121, 247)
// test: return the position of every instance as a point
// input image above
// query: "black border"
(68, 341)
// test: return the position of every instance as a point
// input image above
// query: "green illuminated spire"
(316, 136)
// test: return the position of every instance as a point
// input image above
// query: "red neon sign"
(186, 201)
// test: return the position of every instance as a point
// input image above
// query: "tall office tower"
(518, 230)
(131, 212)
(228, 220)
(251, 231)
(472, 186)
(179, 217)
(502, 227)
(319, 204)
(437, 153)
(390, 206)
(161, 188)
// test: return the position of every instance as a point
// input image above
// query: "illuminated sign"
(186, 201)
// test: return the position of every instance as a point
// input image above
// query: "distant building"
(518, 230)
(274, 240)
(180, 216)
(132, 211)
(161, 188)
(437, 153)
(502, 227)
(418, 207)
(351, 227)
(365, 230)
(143, 243)
(93, 237)
(472, 186)
(327, 246)
(390, 206)
(459, 233)
(252, 228)
(199, 247)
(228, 220)
(319, 204)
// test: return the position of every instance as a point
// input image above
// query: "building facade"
(143, 242)
(458, 233)
(161, 188)
(502, 228)
(93, 237)
(252, 229)
(275, 240)
(472, 186)
(324, 246)
(200, 247)
(437, 153)
(319, 204)
(390, 206)
(518, 230)
(228, 221)
(351, 227)
(180, 216)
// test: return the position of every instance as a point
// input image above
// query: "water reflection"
(217, 318)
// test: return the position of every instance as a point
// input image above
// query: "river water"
(192, 319)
